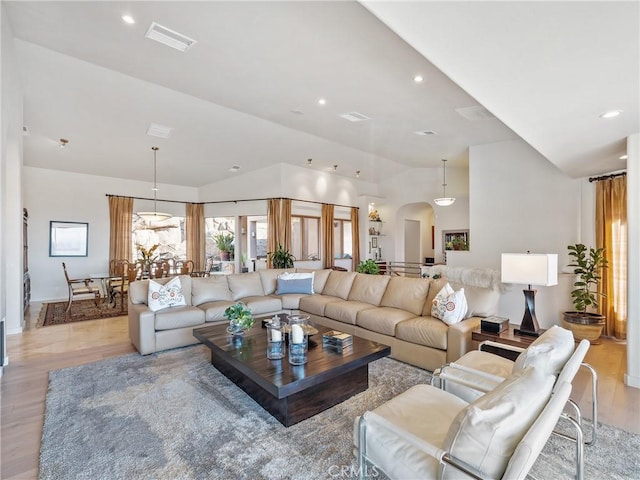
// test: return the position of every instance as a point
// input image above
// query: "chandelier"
(444, 201)
(154, 216)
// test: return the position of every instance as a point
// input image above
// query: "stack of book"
(337, 341)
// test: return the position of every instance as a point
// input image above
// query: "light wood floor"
(37, 351)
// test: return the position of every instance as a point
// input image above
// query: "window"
(214, 227)
(305, 237)
(342, 239)
(169, 235)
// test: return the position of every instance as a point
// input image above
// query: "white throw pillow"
(167, 295)
(449, 306)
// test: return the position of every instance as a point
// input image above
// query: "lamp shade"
(530, 268)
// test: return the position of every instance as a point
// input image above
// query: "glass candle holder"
(298, 341)
(275, 339)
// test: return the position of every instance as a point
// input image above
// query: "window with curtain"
(342, 239)
(169, 235)
(213, 226)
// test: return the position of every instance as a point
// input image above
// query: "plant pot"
(225, 256)
(584, 325)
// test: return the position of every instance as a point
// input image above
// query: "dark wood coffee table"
(291, 393)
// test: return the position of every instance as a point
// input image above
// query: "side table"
(507, 337)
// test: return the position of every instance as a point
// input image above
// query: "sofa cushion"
(368, 288)
(406, 293)
(345, 311)
(339, 284)
(269, 277)
(210, 289)
(315, 304)
(165, 295)
(382, 319)
(449, 306)
(486, 433)
(139, 290)
(319, 277)
(214, 311)
(295, 283)
(245, 285)
(427, 331)
(178, 317)
(549, 352)
(262, 304)
(291, 301)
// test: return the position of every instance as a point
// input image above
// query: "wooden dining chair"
(185, 267)
(80, 286)
(123, 272)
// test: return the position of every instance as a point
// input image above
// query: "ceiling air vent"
(426, 132)
(354, 117)
(475, 113)
(160, 131)
(169, 37)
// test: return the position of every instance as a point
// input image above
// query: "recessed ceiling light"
(235, 168)
(335, 168)
(322, 101)
(309, 161)
(357, 173)
(610, 114)
(418, 78)
(128, 19)
(296, 112)
(623, 157)
(63, 142)
(426, 132)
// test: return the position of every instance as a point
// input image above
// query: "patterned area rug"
(172, 415)
(54, 313)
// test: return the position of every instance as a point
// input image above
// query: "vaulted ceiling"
(247, 93)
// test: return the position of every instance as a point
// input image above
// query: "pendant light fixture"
(444, 201)
(154, 216)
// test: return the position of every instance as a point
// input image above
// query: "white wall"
(521, 202)
(11, 274)
(632, 377)
(63, 196)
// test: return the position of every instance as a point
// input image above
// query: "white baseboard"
(631, 381)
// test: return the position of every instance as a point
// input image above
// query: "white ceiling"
(231, 98)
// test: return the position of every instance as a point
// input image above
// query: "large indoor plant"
(587, 265)
(224, 243)
(281, 258)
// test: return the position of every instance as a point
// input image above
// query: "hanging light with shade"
(154, 216)
(444, 201)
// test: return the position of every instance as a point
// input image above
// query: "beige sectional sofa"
(392, 310)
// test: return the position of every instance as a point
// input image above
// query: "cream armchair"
(478, 372)
(428, 433)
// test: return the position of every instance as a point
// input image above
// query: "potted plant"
(240, 318)
(587, 264)
(224, 243)
(368, 266)
(281, 258)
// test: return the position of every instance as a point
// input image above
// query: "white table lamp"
(530, 269)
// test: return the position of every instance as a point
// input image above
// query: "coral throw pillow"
(167, 295)
(449, 306)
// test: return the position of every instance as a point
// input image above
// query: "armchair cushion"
(550, 351)
(486, 433)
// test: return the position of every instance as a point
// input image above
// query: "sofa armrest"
(459, 338)
(142, 332)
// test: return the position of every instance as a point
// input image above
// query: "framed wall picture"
(68, 239)
(374, 242)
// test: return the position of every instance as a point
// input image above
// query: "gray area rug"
(173, 416)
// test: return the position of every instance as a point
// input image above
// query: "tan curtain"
(120, 227)
(273, 226)
(194, 233)
(611, 233)
(326, 227)
(355, 237)
(285, 223)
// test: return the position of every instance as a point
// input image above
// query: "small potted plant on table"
(240, 319)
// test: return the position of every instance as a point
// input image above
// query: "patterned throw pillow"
(449, 306)
(167, 295)
(295, 283)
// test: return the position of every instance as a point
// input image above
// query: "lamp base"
(529, 325)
